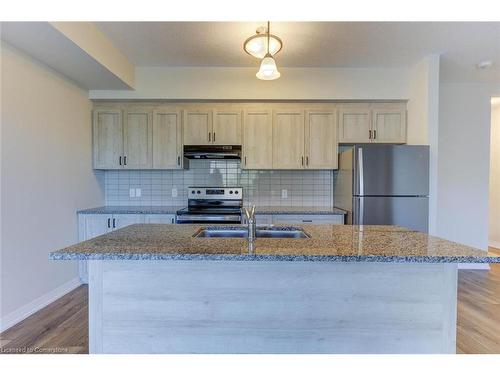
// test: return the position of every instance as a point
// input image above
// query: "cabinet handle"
(109, 222)
(369, 134)
(307, 160)
(178, 160)
(120, 160)
(114, 223)
(124, 160)
(307, 221)
(214, 136)
(209, 136)
(302, 161)
(245, 160)
(374, 134)
(172, 220)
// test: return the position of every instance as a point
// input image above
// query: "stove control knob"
(198, 192)
(192, 191)
(230, 192)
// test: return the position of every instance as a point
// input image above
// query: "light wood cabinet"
(212, 127)
(321, 145)
(137, 139)
(108, 139)
(389, 125)
(257, 140)
(197, 127)
(355, 124)
(167, 139)
(288, 139)
(226, 127)
(373, 123)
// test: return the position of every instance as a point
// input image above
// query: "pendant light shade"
(268, 70)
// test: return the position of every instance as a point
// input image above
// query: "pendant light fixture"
(264, 45)
(262, 42)
(268, 70)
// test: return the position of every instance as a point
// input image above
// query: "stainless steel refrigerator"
(384, 184)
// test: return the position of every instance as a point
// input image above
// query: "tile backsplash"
(304, 188)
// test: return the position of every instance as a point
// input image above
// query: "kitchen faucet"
(250, 215)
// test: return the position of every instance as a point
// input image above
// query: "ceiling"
(315, 44)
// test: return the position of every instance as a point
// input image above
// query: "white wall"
(241, 83)
(463, 164)
(494, 233)
(423, 121)
(46, 175)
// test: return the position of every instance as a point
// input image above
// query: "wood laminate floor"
(62, 327)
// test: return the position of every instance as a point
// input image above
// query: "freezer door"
(408, 212)
(391, 170)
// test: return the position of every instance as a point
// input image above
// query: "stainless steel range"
(215, 205)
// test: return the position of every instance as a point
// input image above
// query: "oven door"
(208, 219)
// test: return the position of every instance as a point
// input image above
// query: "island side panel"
(271, 307)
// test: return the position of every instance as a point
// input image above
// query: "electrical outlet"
(284, 193)
(132, 193)
(174, 192)
(138, 192)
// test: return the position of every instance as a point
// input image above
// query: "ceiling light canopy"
(264, 46)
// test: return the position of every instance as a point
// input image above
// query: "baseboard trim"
(474, 266)
(25, 311)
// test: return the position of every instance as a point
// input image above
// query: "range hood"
(212, 152)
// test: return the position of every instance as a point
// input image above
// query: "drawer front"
(308, 219)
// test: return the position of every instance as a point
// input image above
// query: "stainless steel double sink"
(242, 232)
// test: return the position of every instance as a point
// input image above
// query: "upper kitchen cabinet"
(108, 139)
(372, 123)
(257, 140)
(226, 127)
(122, 138)
(167, 139)
(321, 146)
(137, 139)
(389, 124)
(355, 124)
(288, 139)
(197, 127)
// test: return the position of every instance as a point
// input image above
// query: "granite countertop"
(306, 210)
(110, 210)
(311, 210)
(333, 243)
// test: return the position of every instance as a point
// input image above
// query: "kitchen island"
(346, 289)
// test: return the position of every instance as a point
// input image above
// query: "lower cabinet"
(308, 219)
(93, 225)
(285, 219)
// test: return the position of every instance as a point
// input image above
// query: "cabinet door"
(93, 225)
(123, 220)
(226, 127)
(355, 125)
(197, 127)
(321, 140)
(159, 219)
(108, 138)
(137, 139)
(257, 140)
(167, 139)
(288, 140)
(389, 125)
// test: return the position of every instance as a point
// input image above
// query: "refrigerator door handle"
(361, 211)
(360, 172)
